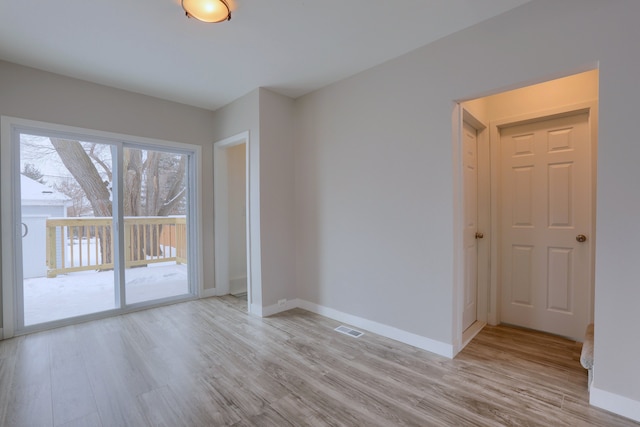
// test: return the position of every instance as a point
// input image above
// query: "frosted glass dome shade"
(207, 10)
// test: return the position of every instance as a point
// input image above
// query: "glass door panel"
(67, 228)
(155, 203)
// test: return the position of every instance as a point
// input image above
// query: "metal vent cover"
(348, 331)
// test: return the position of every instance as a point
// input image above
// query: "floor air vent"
(348, 331)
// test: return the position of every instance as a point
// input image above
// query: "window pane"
(155, 216)
(67, 228)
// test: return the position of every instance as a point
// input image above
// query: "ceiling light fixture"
(207, 10)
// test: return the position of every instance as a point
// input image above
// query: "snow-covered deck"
(75, 294)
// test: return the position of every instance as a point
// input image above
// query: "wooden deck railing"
(82, 244)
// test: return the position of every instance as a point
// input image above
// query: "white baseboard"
(206, 293)
(615, 403)
(275, 308)
(387, 331)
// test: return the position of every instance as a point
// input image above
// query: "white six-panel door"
(545, 204)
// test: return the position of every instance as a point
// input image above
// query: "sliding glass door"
(67, 228)
(155, 218)
(104, 225)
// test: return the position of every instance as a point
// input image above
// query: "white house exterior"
(38, 202)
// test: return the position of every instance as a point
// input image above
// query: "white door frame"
(221, 220)
(591, 108)
(10, 210)
(462, 338)
(489, 295)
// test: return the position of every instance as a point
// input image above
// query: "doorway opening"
(232, 218)
(536, 147)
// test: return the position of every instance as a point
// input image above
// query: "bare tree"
(79, 164)
(153, 186)
(79, 203)
(31, 171)
(173, 186)
(133, 168)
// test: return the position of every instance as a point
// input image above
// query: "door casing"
(463, 337)
(221, 235)
(489, 307)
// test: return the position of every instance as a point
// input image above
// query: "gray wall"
(243, 115)
(269, 118)
(37, 95)
(277, 135)
(237, 182)
(374, 168)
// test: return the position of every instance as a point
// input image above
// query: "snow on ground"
(75, 294)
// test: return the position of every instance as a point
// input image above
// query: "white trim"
(458, 226)
(461, 116)
(7, 193)
(117, 214)
(615, 403)
(387, 331)
(221, 235)
(11, 273)
(275, 308)
(195, 212)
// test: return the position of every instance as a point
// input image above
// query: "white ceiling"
(290, 46)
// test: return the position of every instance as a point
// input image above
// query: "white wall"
(374, 198)
(37, 95)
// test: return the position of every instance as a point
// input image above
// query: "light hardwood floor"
(207, 363)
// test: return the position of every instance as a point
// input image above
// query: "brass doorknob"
(479, 235)
(581, 238)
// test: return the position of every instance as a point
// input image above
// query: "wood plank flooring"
(208, 363)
